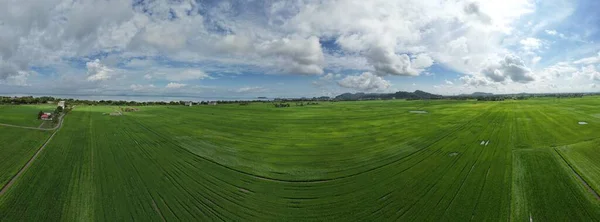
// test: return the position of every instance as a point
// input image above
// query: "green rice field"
(530, 160)
(23, 115)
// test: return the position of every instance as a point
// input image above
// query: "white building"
(212, 103)
(62, 104)
(190, 103)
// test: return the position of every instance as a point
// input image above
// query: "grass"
(23, 115)
(584, 158)
(17, 146)
(371, 160)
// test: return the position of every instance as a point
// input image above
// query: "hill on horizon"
(418, 94)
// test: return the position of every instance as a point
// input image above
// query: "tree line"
(4, 100)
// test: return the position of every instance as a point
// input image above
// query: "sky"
(304, 48)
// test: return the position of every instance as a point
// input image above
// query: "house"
(62, 104)
(189, 103)
(46, 116)
(212, 103)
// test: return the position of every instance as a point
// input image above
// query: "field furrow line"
(579, 177)
(157, 209)
(429, 189)
(480, 193)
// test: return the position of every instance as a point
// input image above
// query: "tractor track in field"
(266, 178)
(30, 161)
(157, 209)
(477, 160)
(581, 179)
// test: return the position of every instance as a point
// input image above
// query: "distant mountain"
(478, 94)
(426, 95)
(397, 95)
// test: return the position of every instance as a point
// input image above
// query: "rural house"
(212, 103)
(62, 104)
(189, 103)
(46, 116)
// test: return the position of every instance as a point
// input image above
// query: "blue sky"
(297, 48)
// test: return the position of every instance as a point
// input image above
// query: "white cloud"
(364, 82)
(189, 74)
(139, 87)
(174, 85)
(140, 63)
(329, 76)
(20, 79)
(557, 70)
(326, 80)
(475, 81)
(551, 32)
(384, 31)
(299, 56)
(422, 61)
(177, 74)
(448, 82)
(510, 68)
(249, 89)
(97, 71)
(589, 60)
(402, 38)
(589, 71)
(530, 44)
(387, 62)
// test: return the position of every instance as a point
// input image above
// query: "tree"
(59, 109)
(40, 114)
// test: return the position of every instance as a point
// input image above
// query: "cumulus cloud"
(174, 85)
(475, 81)
(589, 71)
(97, 71)
(402, 38)
(386, 62)
(300, 56)
(364, 82)
(510, 68)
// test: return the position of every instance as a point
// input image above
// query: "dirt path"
(12, 180)
(35, 128)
